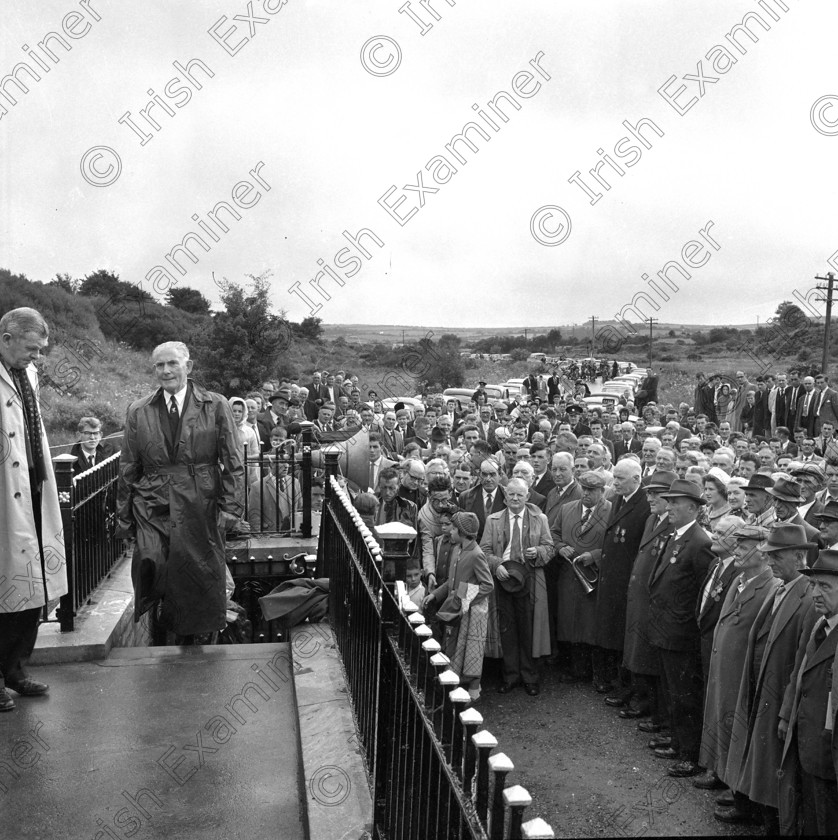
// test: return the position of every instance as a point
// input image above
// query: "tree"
(309, 329)
(442, 365)
(188, 300)
(64, 281)
(247, 342)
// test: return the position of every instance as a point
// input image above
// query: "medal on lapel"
(622, 534)
(675, 554)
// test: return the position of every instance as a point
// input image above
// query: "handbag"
(451, 610)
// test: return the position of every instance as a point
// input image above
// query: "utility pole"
(830, 278)
(593, 336)
(651, 322)
(402, 338)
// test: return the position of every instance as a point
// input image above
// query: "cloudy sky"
(334, 104)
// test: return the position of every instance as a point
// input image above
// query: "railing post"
(305, 528)
(517, 798)
(501, 767)
(63, 466)
(485, 743)
(471, 719)
(332, 462)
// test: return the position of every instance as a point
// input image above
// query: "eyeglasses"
(91, 434)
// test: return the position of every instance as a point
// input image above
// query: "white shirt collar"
(679, 532)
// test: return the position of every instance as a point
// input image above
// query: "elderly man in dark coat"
(577, 536)
(673, 589)
(180, 479)
(629, 512)
(639, 657)
(808, 797)
(755, 747)
(753, 585)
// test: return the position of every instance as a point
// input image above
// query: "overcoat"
(804, 707)
(755, 749)
(576, 610)
(535, 533)
(28, 579)
(619, 549)
(638, 655)
(730, 649)
(170, 496)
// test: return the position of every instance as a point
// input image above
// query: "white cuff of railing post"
(431, 646)
(537, 829)
(440, 659)
(484, 739)
(459, 695)
(471, 717)
(416, 618)
(501, 763)
(448, 678)
(423, 631)
(516, 796)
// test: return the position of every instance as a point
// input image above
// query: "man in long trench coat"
(32, 565)
(180, 480)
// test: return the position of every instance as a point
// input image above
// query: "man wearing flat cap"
(754, 583)
(758, 503)
(811, 479)
(828, 525)
(674, 587)
(578, 530)
(808, 795)
(786, 496)
(789, 614)
(517, 544)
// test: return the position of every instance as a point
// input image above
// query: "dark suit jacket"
(619, 550)
(828, 412)
(673, 588)
(791, 406)
(472, 500)
(621, 448)
(556, 500)
(806, 420)
(103, 450)
(538, 500)
(264, 424)
(545, 484)
(812, 535)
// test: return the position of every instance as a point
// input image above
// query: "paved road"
(589, 772)
(155, 742)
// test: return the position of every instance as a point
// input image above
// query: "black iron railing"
(278, 487)
(88, 513)
(430, 769)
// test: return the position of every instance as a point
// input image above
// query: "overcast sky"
(333, 136)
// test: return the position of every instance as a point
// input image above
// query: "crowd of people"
(681, 559)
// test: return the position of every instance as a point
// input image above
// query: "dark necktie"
(91, 461)
(820, 634)
(717, 576)
(515, 549)
(586, 515)
(34, 448)
(488, 503)
(174, 417)
(372, 475)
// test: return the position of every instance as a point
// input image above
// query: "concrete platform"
(197, 742)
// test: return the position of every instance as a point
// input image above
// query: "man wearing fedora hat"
(808, 795)
(757, 501)
(786, 495)
(577, 532)
(828, 525)
(755, 747)
(754, 583)
(273, 416)
(517, 544)
(639, 657)
(673, 589)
